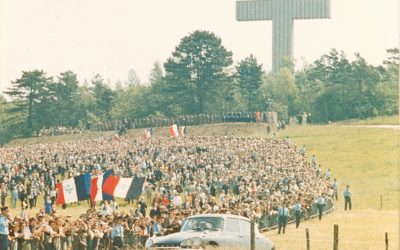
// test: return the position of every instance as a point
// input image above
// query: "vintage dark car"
(210, 231)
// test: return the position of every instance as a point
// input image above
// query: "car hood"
(175, 239)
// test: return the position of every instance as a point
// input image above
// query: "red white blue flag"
(73, 189)
(173, 131)
(127, 188)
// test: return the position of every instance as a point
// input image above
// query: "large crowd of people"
(184, 176)
(181, 120)
(121, 125)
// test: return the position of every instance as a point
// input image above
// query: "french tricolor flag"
(182, 131)
(95, 194)
(97, 183)
(74, 189)
(127, 188)
(173, 131)
(148, 133)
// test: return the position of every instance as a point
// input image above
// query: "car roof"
(220, 216)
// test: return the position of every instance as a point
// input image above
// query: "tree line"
(200, 77)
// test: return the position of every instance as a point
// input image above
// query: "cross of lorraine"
(282, 13)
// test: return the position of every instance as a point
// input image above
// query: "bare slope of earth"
(376, 126)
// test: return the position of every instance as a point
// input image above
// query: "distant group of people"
(59, 130)
(181, 120)
(121, 125)
(303, 118)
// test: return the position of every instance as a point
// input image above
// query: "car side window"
(245, 227)
(232, 225)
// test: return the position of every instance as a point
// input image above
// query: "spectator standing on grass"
(314, 161)
(47, 205)
(297, 212)
(303, 150)
(319, 170)
(22, 195)
(335, 189)
(143, 206)
(328, 174)
(14, 197)
(283, 214)
(31, 198)
(320, 205)
(3, 195)
(347, 198)
(149, 192)
(53, 195)
(304, 118)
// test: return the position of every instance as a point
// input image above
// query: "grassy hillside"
(365, 158)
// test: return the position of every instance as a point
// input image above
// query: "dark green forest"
(200, 77)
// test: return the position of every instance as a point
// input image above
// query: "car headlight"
(194, 243)
(149, 243)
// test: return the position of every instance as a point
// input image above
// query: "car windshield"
(203, 223)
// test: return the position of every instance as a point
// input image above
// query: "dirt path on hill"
(375, 126)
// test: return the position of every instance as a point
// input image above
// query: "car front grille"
(164, 248)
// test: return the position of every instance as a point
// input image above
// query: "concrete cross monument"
(282, 13)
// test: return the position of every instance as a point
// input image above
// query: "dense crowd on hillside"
(154, 121)
(249, 177)
(181, 120)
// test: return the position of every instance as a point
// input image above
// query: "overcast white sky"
(111, 37)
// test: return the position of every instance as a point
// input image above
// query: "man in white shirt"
(177, 200)
(320, 205)
(106, 209)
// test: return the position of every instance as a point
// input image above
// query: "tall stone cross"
(282, 13)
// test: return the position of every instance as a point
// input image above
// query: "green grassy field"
(368, 160)
(365, 158)
(382, 120)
